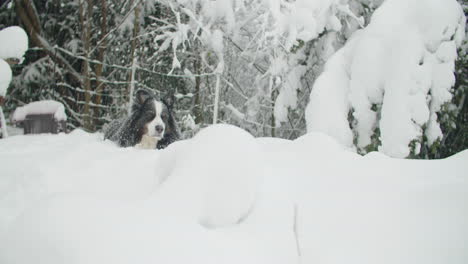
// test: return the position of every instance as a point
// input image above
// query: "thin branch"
(295, 229)
(129, 68)
(117, 27)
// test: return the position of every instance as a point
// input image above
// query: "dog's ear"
(142, 95)
(169, 100)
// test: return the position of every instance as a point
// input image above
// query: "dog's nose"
(159, 129)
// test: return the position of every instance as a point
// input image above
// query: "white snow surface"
(40, 107)
(14, 43)
(226, 197)
(403, 64)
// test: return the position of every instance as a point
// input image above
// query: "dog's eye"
(151, 114)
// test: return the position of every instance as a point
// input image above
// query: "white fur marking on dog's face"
(156, 122)
(147, 142)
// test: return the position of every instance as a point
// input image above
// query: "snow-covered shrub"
(13, 45)
(389, 85)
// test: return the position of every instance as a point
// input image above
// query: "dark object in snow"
(41, 117)
(43, 123)
(151, 123)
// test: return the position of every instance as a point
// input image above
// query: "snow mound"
(220, 169)
(40, 107)
(317, 142)
(392, 76)
(14, 43)
(225, 197)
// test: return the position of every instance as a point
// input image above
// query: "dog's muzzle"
(159, 131)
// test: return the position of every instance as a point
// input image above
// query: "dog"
(150, 125)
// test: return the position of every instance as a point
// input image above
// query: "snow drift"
(226, 197)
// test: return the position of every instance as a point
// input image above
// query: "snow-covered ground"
(226, 197)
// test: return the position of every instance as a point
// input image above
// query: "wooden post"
(133, 53)
(2, 119)
(101, 57)
(216, 100)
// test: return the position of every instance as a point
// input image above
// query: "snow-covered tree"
(251, 62)
(454, 124)
(82, 55)
(388, 87)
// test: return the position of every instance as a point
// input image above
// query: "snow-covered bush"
(13, 45)
(387, 87)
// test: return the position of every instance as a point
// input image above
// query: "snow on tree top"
(14, 43)
(5, 77)
(40, 107)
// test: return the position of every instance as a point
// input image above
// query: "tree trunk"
(216, 100)
(197, 108)
(101, 57)
(26, 11)
(3, 123)
(86, 16)
(136, 32)
(273, 94)
(132, 85)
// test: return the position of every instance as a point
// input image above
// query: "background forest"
(248, 63)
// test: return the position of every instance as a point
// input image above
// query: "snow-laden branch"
(129, 68)
(387, 86)
(260, 40)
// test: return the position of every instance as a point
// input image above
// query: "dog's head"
(153, 114)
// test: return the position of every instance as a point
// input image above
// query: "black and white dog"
(150, 124)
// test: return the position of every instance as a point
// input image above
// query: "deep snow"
(226, 197)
